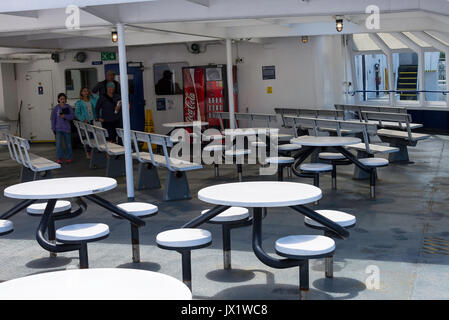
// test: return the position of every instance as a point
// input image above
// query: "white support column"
(229, 65)
(355, 82)
(125, 111)
(439, 46)
(385, 49)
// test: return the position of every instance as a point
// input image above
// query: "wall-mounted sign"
(161, 104)
(97, 63)
(269, 90)
(268, 72)
(108, 56)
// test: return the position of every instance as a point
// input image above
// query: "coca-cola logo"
(190, 103)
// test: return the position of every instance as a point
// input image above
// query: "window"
(371, 73)
(435, 75)
(75, 79)
(168, 78)
(405, 69)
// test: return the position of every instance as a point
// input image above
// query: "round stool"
(373, 163)
(335, 158)
(281, 162)
(184, 241)
(343, 219)
(141, 210)
(303, 248)
(37, 210)
(6, 227)
(315, 169)
(82, 233)
(230, 218)
(217, 149)
(239, 153)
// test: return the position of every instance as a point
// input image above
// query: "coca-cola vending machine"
(206, 91)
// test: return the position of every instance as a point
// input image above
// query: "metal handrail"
(444, 92)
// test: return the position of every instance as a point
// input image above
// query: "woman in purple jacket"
(60, 123)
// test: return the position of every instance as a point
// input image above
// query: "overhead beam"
(387, 51)
(27, 14)
(431, 40)
(204, 3)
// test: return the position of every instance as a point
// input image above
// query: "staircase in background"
(407, 81)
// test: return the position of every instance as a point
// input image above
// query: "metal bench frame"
(115, 164)
(398, 142)
(19, 151)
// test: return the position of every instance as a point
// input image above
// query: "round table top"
(325, 141)
(184, 124)
(260, 194)
(95, 284)
(60, 188)
(250, 131)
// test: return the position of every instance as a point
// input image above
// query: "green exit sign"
(108, 56)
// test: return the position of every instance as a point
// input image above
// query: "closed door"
(136, 95)
(37, 106)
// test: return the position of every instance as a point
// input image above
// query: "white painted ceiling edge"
(26, 24)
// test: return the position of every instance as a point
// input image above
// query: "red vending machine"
(205, 91)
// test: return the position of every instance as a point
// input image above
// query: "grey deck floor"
(412, 205)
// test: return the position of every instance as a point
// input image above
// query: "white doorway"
(37, 106)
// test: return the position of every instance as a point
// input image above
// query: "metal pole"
(125, 111)
(229, 65)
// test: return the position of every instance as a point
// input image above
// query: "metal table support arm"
(109, 206)
(338, 230)
(13, 211)
(260, 253)
(205, 217)
(43, 225)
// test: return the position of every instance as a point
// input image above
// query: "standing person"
(109, 111)
(60, 123)
(85, 110)
(100, 87)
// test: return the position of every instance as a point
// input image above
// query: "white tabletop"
(325, 141)
(95, 284)
(260, 194)
(60, 188)
(250, 131)
(185, 124)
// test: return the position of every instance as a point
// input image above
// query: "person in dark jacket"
(100, 87)
(109, 111)
(61, 116)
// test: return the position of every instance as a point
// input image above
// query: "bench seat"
(374, 148)
(396, 125)
(42, 164)
(113, 149)
(401, 134)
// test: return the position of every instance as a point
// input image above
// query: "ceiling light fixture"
(339, 24)
(114, 36)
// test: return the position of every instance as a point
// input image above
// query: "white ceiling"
(40, 24)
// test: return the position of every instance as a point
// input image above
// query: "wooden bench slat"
(374, 148)
(402, 134)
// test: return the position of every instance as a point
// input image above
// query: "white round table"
(63, 188)
(250, 131)
(325, 141)
(60, 188)
(185, 124)
(96, 284)
(260, 194)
